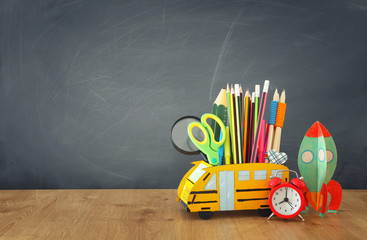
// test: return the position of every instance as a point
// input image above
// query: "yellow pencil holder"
(206, 189)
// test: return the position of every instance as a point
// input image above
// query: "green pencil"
(234, 129)
(220, 110)
(227, 148)
(230, 123)
(257, 95)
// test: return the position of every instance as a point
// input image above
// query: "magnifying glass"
(180, 139)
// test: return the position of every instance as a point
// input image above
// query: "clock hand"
(290, 204)
(286, 192)
(282, 202)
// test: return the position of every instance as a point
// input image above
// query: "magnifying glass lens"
(180, 139)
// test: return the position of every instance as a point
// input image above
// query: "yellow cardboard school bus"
(206, 188)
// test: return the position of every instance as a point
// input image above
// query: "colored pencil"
(252, 123)
(279, 121)
(234, 129)
(255, 145)
(220, 110)
(238, 123)
(221, 149)
(241, 121)
(246, 125)
(261, 142)
(272, 117)
(256, 116)
(249, 130)
(231, 126)
(266, 160)
(227, 148)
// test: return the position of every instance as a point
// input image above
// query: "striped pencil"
(279, 121)
(272, 117)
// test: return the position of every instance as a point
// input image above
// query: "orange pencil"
(246, 125)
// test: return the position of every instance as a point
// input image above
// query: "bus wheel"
(205, 215)
(264, 212)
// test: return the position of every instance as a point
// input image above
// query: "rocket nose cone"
(325, 132)
(315, 130)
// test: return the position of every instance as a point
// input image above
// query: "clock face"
(286, 200)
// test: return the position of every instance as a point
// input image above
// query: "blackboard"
(89, 90)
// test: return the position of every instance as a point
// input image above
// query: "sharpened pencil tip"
(276, 95)
(247, 94)
(282, 97)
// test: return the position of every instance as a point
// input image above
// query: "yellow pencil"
(227, 148)
(233, 129)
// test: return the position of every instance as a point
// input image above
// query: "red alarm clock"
(286, 200)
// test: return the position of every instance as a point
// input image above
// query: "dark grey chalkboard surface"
(89, 90)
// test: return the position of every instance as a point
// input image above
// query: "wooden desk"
(155, 214)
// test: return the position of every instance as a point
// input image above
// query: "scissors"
(209, 145)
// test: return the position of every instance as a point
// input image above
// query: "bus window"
(197, 173)
(260, 175)
(212, 183)
(243, 175)
(273, 172)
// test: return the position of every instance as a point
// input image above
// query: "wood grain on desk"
(155, 214)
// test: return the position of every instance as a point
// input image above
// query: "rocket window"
(321, 155)
(329, 155)
(307, 156)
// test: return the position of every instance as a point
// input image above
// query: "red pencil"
(261, 142)
(266, 143)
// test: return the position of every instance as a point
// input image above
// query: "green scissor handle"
(209, 145)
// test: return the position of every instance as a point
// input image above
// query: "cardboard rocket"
(317, 158)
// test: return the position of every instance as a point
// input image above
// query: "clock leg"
(272, 214)
(305, 206)
(299, 215)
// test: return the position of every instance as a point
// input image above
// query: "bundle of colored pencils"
(249, 137)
